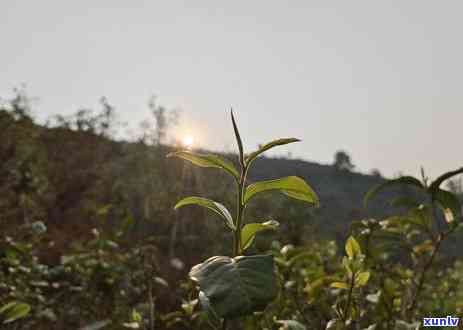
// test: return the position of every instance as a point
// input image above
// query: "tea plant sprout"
(239, 285)
(356, 277)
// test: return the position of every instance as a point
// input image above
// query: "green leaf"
(7, 306)
(436, 183)
(236, 286)
(238, 139)
(211, 205)
(449, 204)
(291, 186)
(407, 180)
(290, 325)
(425, 247)
(361, 279)
(250, 230)
(136, 317)
(15, 311)
(405, 202)
(352, 248)
(207, 161)
(339, 285)
(268, 146)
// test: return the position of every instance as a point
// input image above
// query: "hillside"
(76, 172)
(91, 218)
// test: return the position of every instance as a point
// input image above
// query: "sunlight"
(188, 141)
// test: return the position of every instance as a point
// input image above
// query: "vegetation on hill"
(90, 238)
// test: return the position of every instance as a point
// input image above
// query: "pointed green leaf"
(16, 311)
(352, 247)
(339, 285)
(268, 146)
(207, 161)
(238, 139)
(7, 306)
(237, 286)
(407, 180)
(436, 183)
(250, 230)
(211, 205)
(361, 279)
(291, 186)
(449, 203)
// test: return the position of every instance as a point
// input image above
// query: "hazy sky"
(380, 79)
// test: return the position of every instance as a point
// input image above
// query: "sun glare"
(188, 141)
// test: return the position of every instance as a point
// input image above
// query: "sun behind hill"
(188, 141)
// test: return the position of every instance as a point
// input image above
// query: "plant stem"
(425, 269)
(239, 210)
(440, 237)
(349, 297)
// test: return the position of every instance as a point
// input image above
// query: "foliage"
(89, 239)
(244, 284)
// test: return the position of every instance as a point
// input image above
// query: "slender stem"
(239, 210)
(425, 269)
(349, 297)
(437, 243)
(239, 216)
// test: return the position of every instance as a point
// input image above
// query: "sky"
(379, 79)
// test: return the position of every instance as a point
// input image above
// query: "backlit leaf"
(16, 311)
(207, 161)
(211, 205)
(352, 247)
(361, 279)
(339, 285)
(250, 230)
(268, 146)
(238, 138)
(291, 186)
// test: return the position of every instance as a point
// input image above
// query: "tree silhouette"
(342, 161)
